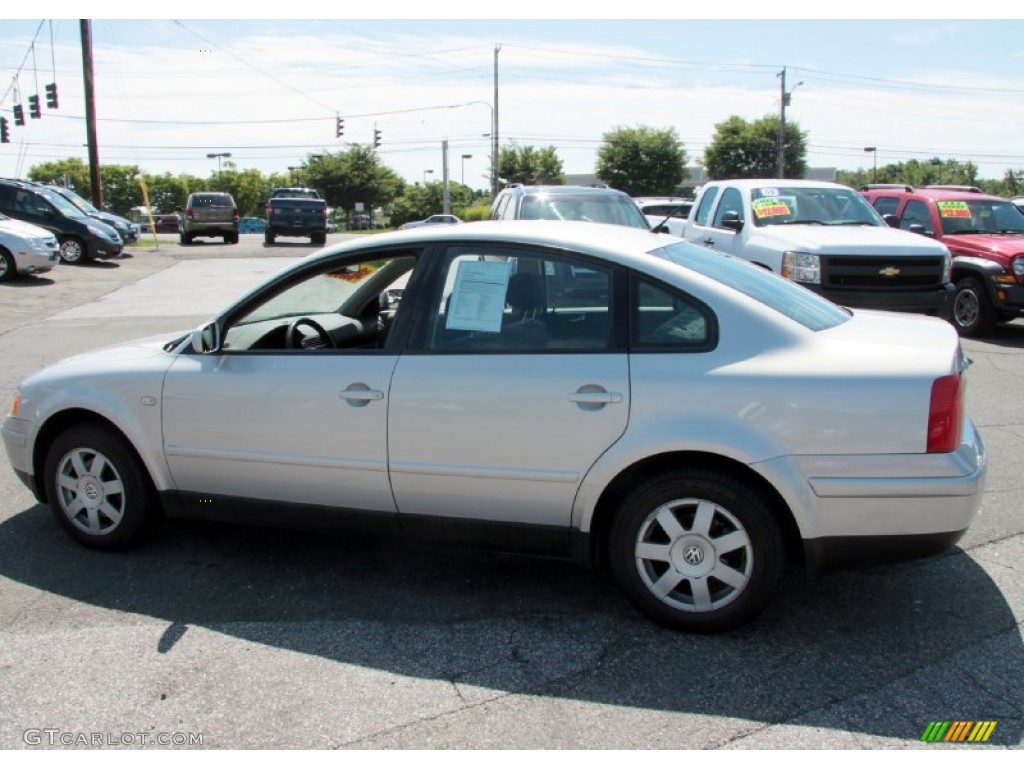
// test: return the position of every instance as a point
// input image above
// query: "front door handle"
(708, 241)
(359, 394)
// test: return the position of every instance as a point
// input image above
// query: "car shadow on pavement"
(862, 652)
(1009, 335)
(94, 264)
(28, 281)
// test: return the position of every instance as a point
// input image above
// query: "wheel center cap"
(90, 491)
(693, 556)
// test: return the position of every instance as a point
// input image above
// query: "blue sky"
(169, 92)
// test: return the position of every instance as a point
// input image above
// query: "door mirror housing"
(206, 340)
(731, 220)
(892, 220)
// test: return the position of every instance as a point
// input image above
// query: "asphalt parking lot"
(253, 638)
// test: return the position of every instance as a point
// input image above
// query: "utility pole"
(446, 200)
(781, 140)
(90, 114)
(495, 166)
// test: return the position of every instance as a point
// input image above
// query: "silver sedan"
(586, 390)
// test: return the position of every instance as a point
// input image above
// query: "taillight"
(270, 209)
(946, 414)
(234, 214)
(188, 213)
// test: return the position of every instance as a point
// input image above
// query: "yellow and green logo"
(959, 730)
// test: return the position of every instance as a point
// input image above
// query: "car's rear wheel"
(184, 239)
(973, 313)
(7, 266)
(231, 239)
(99, 489)
(696, 550)
(320, 239)
(72, 250)
(268, 237)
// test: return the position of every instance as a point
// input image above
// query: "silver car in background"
(595, 391)
(25, 249)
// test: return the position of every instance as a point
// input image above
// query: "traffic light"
(341, 127)
(33, 107)
(5, 137)
(19, 114)
(51, 95)
(376, 138)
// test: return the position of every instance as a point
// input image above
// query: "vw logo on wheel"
(693, 555)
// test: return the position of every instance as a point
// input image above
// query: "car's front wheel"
(696, 550)
(7, 268)
(72, 250)
(973, 313)
(99, 489)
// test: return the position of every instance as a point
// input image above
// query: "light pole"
(464, 159)
(218, 155)
(425, 177)
(494, 139)
(874, 163)
(784, 100)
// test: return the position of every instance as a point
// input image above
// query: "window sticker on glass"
(770, 206)
(478, 299)
(767, 192)
(953, 209)
(353, 274)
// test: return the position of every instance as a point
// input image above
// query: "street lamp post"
(874, 162)
(494, 143)
(218, 155)
(425, 177)
(464, 159)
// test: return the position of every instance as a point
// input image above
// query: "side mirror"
(206, 340)
(731, 220)
(892, 220)
(664, 229)
(917, 229)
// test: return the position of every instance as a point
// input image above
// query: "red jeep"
(985, 235)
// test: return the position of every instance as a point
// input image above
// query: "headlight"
(801, 267)
(947, 269)
(1018, 266)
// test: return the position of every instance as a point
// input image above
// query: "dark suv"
(127, 230)
(81, 237)
(209, 214)
(984, 234)
(599, 204)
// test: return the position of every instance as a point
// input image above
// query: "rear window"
(212, 201)
(581, 206)
(786, 297)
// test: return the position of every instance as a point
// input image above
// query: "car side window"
(706, 203)
(341, 306)
(917, 212)
(662, 318)
(732, 200)
(498, 300)
(886, 205)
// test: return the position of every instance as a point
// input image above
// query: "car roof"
(564, 189)
(954, 194)
(757, 183)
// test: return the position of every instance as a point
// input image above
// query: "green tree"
(642, 160)
(353, 176)
(529, 165)
(72, 171)
(748, 150)
(918, 173)
(419, 201)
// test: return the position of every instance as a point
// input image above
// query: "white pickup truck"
(825, 237)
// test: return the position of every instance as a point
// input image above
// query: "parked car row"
(79, 235)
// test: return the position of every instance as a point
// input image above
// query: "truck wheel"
(973, 313)
(268, 237)
(320, 239)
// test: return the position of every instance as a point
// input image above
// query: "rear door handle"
(708, 241)
(594, 395)
(360, 394)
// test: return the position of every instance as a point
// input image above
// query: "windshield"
(794, 301)
(980, 217)
(581, 206)
(829, 206)
(78, 200)
(63, 205)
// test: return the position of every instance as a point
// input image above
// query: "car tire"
(98, 488)
(231, 239)
(7, 266)
(72, 250)
(184, 239)
(973, 313)
(268, 237)
(320, 239)
(696, 550)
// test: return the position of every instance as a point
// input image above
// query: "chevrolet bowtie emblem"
(889, 272)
